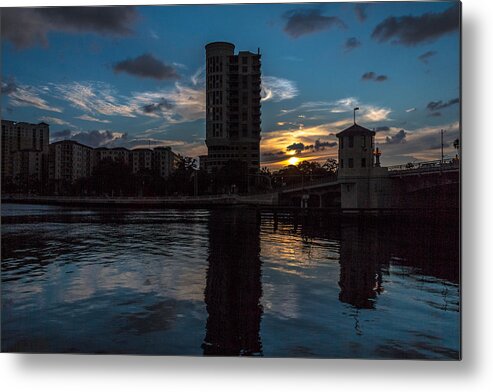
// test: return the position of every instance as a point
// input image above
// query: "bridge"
(427, 184)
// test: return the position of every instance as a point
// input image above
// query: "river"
(221, 282)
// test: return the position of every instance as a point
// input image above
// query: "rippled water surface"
(200, 282)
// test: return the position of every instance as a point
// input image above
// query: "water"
(199, 282)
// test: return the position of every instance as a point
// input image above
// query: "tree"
(180, 182)
(331, 165)
(109, 177)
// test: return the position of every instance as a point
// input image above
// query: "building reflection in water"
(233, 289)
(367, 250)
(362, 257)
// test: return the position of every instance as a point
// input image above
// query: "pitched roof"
(354, 130)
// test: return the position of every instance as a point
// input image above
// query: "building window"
(364, 141)
(350, 163)
(342, 164)
(363, 162)
(342, 142)
(351, 141)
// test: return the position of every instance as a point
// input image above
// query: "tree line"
(112, 178)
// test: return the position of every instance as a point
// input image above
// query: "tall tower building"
(233, 107)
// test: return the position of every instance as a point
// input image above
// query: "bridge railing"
(307, 183)
(452, 163)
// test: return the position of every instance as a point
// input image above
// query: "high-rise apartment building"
(26, 137)
(164, 161)
(232, 106)
(69, 161)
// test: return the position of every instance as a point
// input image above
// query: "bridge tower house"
(363, 184)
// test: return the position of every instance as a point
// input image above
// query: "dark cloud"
(9, 87)
(146, 66)
(412, 30)
(320, 146)
(298, 147)
(399, 137)
(317, 146)
(351, 43)
(90, 138)
(162, 105)
(437, 105)
(426, 56)
(26, 27)
(300, 22)
(62, 134)
(373, 76)
(368, 76)
(382, 129)
(273, 154)
(360, 11)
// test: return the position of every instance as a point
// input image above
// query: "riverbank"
(269, 199)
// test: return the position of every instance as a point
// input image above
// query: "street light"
(441, 140)
(354, 114)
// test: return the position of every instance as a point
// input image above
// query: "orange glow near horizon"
(294, 160)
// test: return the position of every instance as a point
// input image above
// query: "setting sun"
(293, 160)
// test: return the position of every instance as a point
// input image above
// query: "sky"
(133, 76)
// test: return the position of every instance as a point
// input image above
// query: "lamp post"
(354, 114)
(441, 142)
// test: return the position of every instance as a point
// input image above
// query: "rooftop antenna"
(354, 115)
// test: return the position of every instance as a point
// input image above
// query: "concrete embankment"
(149, 202)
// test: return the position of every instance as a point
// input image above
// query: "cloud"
(435, 114)
(94, 98)
(179, 104)
(9, 87)
(86, 117)
(160, 106)
(23, 95)
(26, 27)
(410, 110)
(97, 138)
(426, 56)
(300, 147)
(66, 133)
(176, 104)
(437, 105)
(413, 30)
(374, 114)
(419, 144)
(56, 121)
(351, 43)
(146, 66)
(382, 129)
(360, 11)
(199, 76)
(301, 22)
(368, 76)
(277, 89)
(399, 137)
(373, 76)
(327, 110)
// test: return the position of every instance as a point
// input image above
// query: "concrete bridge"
(432, 184)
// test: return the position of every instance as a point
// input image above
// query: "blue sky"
(133, 76)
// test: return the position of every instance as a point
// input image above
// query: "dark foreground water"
(201, 282)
